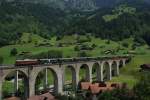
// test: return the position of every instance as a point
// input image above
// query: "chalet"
(96, 88)
(145, 67)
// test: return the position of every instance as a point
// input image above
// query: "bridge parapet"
(60, 61)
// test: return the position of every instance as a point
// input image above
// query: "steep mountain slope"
(112, 23)
(83, 4)
(63, 4)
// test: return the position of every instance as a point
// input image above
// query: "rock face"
(81, 4)
(65, 4)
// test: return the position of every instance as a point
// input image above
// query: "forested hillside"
(16, 18)
(114, 23)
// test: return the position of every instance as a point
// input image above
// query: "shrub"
(82, 54)
(117, 94)
(60, 45)
(124, 44)
(94, 45)
(29, 39)
(83, 39)
(77, 48)
(13, 52)
(64, 97)
(55, 54)
(108, 42)
(142, 89)
(1, 60)
(36, 43)
(88, 38)
(102, 46)
(85, 47)
(59, 38)
(133, 47)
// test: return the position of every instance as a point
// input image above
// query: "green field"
(129, 74)
(68, 42)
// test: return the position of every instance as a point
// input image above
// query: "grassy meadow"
(31, 43)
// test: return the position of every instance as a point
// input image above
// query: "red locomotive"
(26, 62)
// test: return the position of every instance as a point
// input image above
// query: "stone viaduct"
(106, 68)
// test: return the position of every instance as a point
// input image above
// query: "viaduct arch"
(96, 69)
(105, 69)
